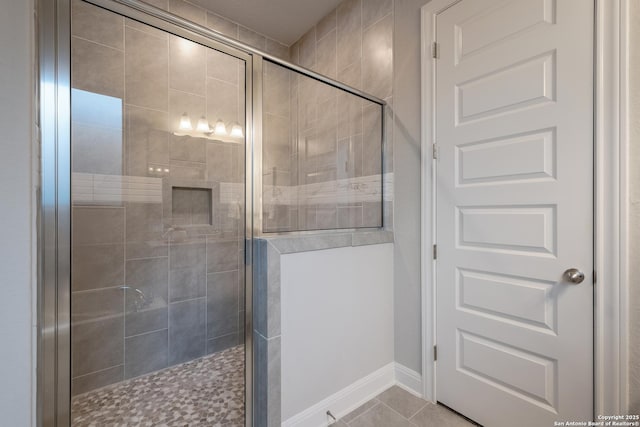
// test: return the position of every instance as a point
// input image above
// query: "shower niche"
(191, 206)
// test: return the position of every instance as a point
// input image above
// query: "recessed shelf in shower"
(191, 206)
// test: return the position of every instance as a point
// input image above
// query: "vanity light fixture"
(185, 122)
(236, 131)
(220, 128)
(203, 129)
(154, 170)
(203, 125)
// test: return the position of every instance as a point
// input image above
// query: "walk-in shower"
(167, 148)
(158, 205)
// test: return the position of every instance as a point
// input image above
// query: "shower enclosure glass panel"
(158, 229)
(322, 155)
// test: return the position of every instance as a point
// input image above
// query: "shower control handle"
(574, 275)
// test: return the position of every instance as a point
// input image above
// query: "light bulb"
(236, 131)
(220, 128)
(185, 122)
(203, 125)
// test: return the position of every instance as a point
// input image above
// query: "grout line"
(378, 20)
(378, 402)
(153, 34)
(326, 35)
(202, 9)
(87, 291)
(146, 258)
(223, 271)
(414, 415)
(168, 299)
(223, 336)
(186, 300)
(97, 372)
(124, 294)
(206, 296)
(76, 206)
(146, 333)
(206, 92)
(141, 107)
(418, 411)
(97, 43)
(169, 118)
(184, 91)
(124, 34)
(389, 407)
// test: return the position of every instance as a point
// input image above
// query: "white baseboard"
(346, 400)
(351, 397)
(408, 379)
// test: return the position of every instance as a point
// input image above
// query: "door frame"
(611, 203)
(54, 287)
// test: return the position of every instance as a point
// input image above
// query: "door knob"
(574, 275)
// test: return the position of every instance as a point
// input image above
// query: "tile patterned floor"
(204, 392)
(399, 408)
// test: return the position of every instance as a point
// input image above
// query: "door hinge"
(595, 277)
(435, 151)
(435, 353)
(434, 50)
(435, 252)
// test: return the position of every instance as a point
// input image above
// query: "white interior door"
(514, 128)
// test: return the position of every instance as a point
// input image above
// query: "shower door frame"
(54, 293)
(54, 245)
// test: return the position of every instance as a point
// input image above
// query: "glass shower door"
(158, 225)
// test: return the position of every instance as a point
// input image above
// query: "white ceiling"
(282, 20)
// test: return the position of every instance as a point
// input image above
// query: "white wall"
(634, 163)
(406, 152)
(17, 366)
(337, 321)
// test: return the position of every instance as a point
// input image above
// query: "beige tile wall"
(353, 44)
(364, 29)
(321, 155)
(223, 25)
(277, 148)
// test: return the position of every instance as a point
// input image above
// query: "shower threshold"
(205, 392)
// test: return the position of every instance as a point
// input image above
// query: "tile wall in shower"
(354, 45)
(321, 155)
(155, 281)
(322, 164)
(212, 20)
(278, 154)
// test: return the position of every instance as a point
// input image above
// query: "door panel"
(514, 210)
(157, 221)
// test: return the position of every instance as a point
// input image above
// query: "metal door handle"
(574, 275)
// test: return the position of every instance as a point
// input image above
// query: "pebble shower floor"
(205, 392)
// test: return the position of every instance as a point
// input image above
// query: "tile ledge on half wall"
(287, 244)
